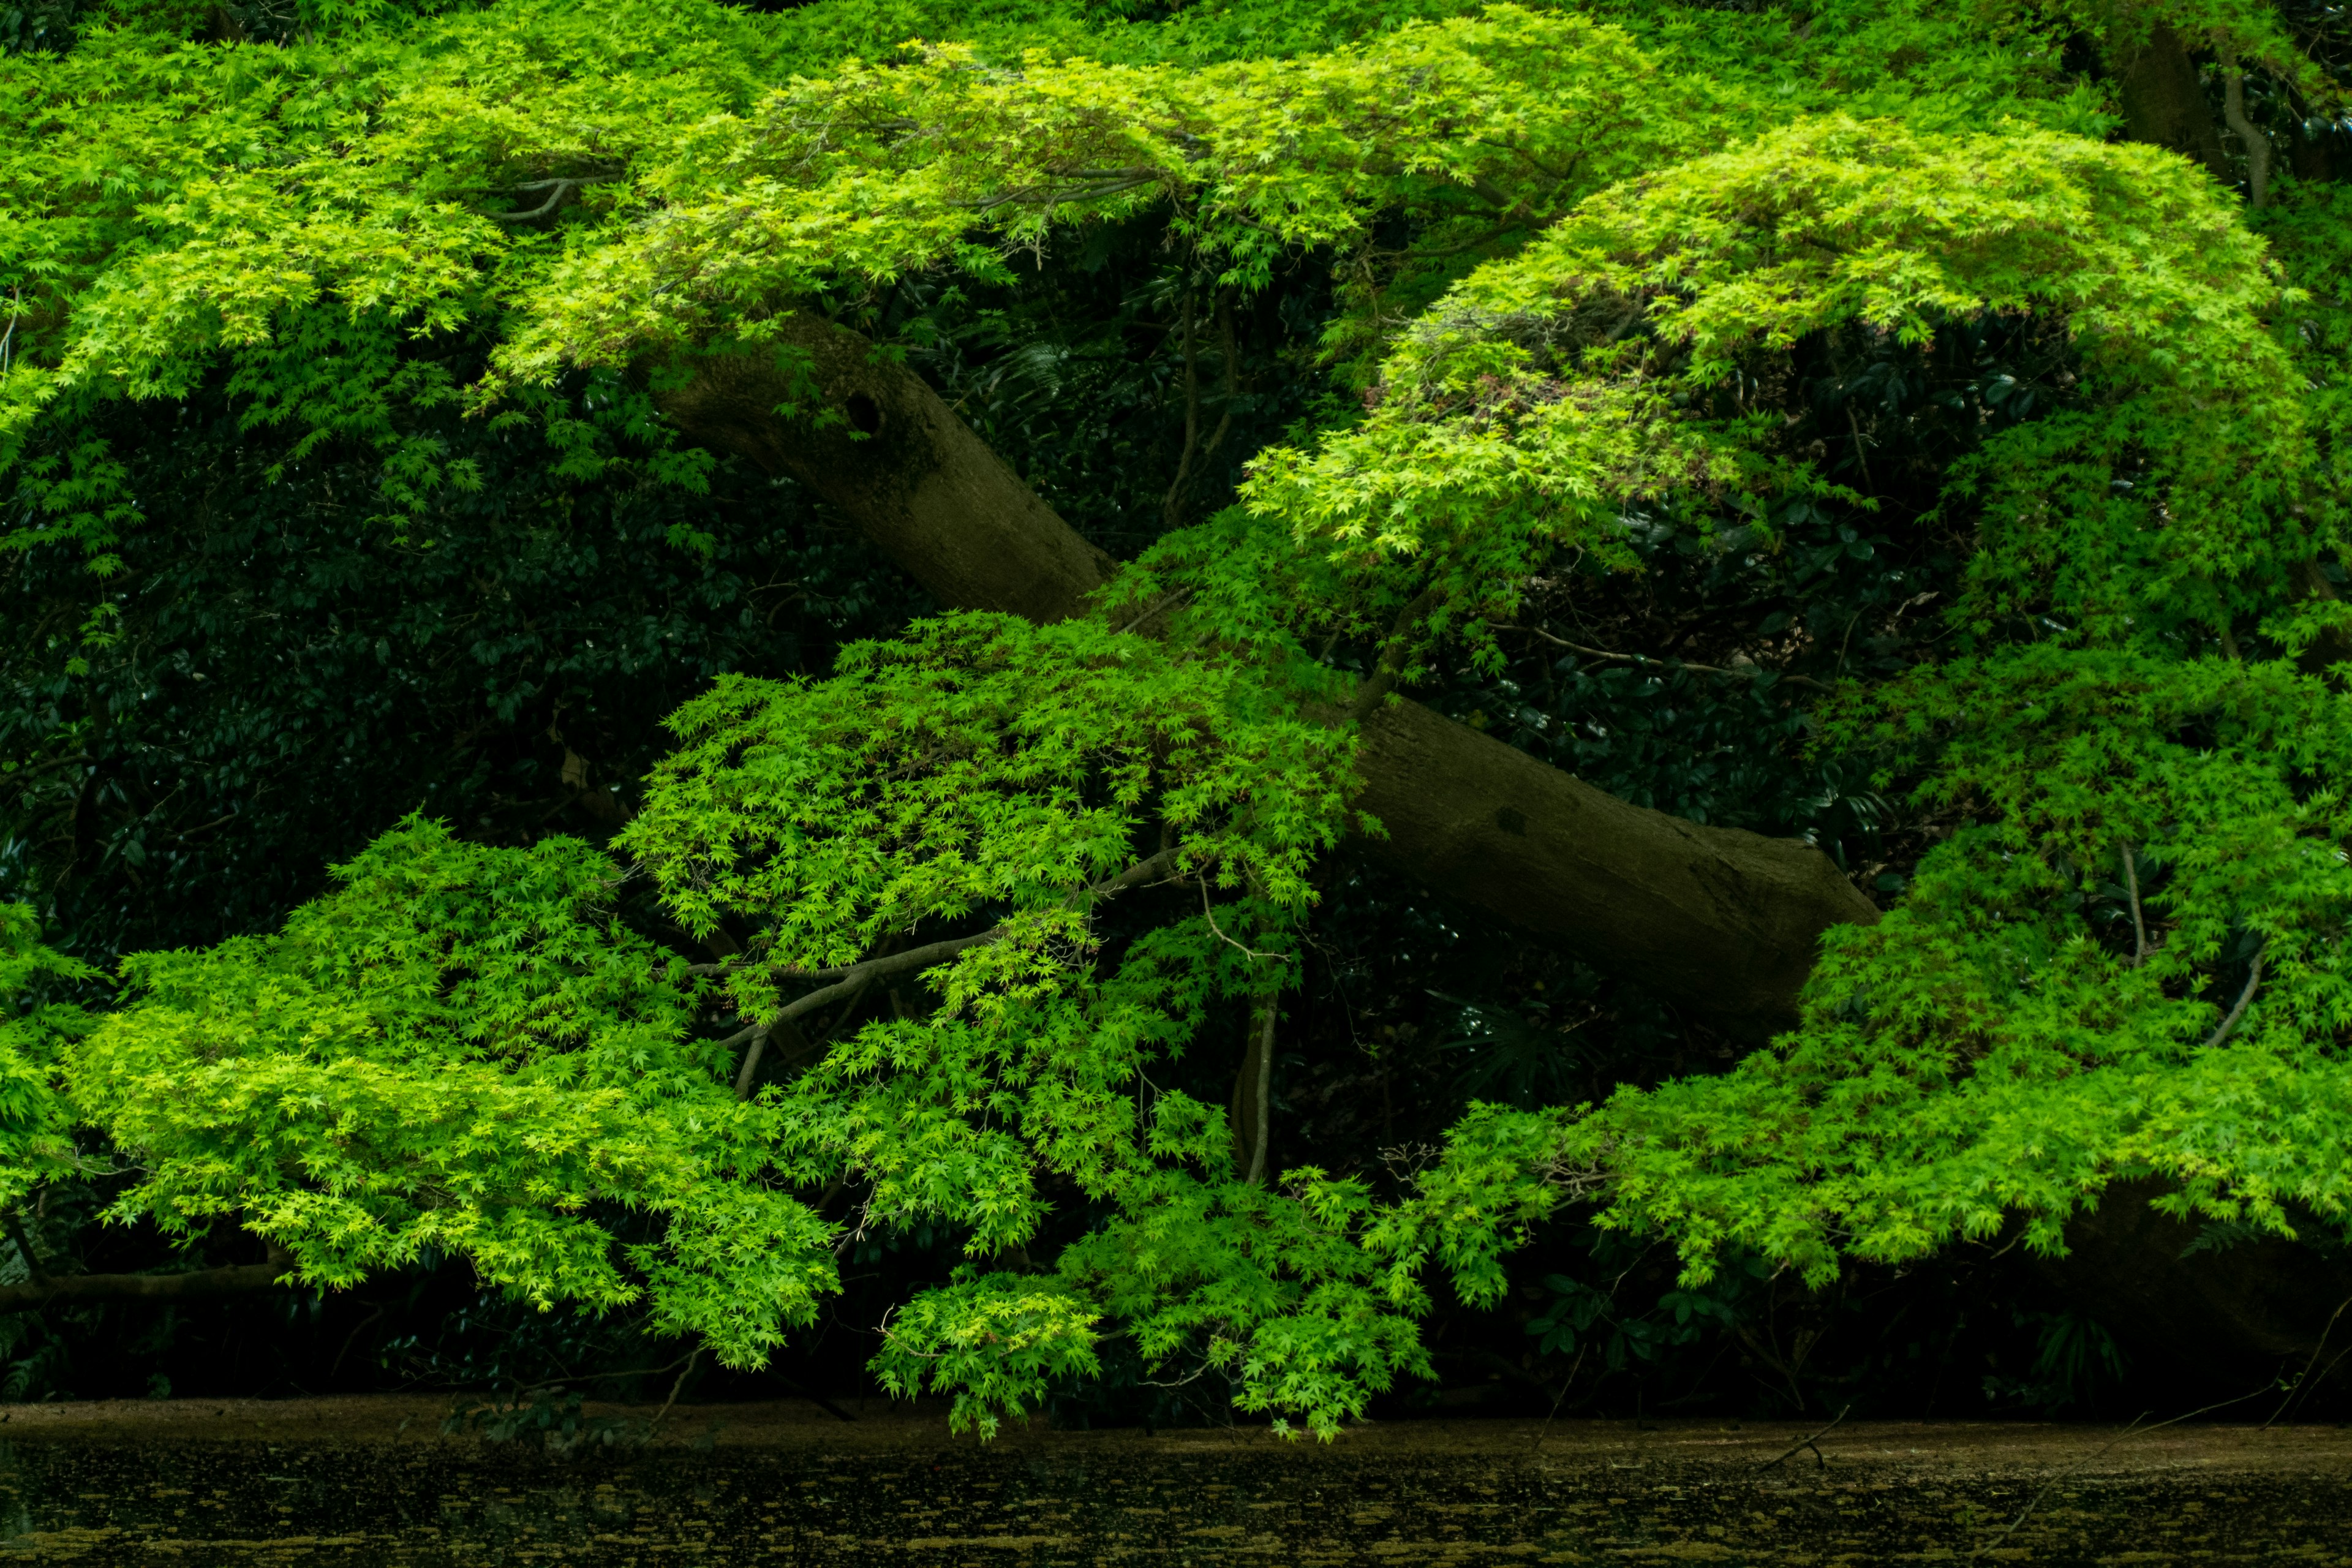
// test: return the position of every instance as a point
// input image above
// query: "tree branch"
(33, 1269)
(558, 190)
(851, 980)
(1723, 920)
(2257, 145)
(203, 1285)
(2139, 927)
(2229, 1023)
(1385, 673)
(1264, 1095)
(1749, 674)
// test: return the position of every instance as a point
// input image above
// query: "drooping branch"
(1725, 921)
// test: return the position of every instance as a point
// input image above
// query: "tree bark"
(900, 465)
(1251, 1112)
(2164, 103)
(1719, 920)
(205, 1285)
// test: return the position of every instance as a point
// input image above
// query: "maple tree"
(1958, 319)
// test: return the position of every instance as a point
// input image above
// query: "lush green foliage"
(1602, 297)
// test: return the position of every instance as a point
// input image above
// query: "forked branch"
(559, 190)
(850, 980)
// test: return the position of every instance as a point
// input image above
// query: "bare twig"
(692, 1357)
(1861, 458)
(2304, 1375)
(1253, 954)
(1748, 674)
(2035, 1501)
(1565, 1383)
(1819, 1461)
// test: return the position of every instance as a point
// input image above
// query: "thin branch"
(557, 190)
(1861, 458)
(2133, 1428)
(1171, 508)
(1252, 953)
(29, 769)
(1502, 200)
(918, 957)
(1175, 598)
(2139, 927)
(2035, 1500)
(693, 1356)
(853, 979)
(1820, 1462)
(1565, 1383)
(2258, 146)
(204, 828)
(2304, 1376)
(2253, 980)
(1091, 187)
(609, 1376)
(1663, 663)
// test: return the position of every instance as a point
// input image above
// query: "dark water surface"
(346, 1484)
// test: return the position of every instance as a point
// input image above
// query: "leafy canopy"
(1574, 253)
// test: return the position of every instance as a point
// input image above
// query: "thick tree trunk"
(900, 464)
(2164, 103)
(1718, 920)
(1723, 921)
